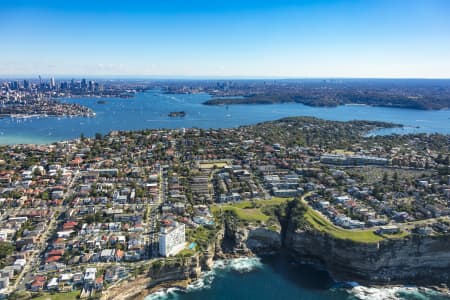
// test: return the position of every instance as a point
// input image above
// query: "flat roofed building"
(172, 239)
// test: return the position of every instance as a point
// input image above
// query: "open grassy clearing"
(362, 236)
(342, 152)
(211, 165)
(252, 210)
(59, 296)
(324, 225)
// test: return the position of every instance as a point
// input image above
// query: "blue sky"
(279, 38)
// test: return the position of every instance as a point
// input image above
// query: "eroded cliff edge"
(414, 259)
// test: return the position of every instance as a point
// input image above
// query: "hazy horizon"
(201, 77)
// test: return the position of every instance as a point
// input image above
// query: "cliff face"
(248, 240)
(176, 269)
(263, 240)
(415, 259)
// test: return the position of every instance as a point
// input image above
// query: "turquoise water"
(277, 278)
(150, 109)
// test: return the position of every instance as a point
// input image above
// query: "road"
(154, 214)
(34, 260)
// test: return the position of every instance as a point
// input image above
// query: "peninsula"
(120, 213)
(414, 93)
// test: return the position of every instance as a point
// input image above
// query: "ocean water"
(277, 278)
(150, 110)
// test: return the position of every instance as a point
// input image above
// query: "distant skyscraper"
(26, 84)
(83, 84)
(52, 83)
(15, 85)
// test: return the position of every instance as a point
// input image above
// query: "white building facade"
(172, 239)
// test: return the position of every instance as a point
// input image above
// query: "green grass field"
(60, 296)
(210, 165)
(362, 236)
(245, 214)
(251, 210)
(324, 225)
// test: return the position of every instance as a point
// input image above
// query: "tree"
(45, 195)
(395, 177)
(385, 178)
(6, 249)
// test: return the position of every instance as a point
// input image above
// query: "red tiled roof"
(99, 279)
(70, 224)
(52, 259)
(119, 253)
(38, 283)
(56, 252)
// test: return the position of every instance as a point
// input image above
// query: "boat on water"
(24, 116)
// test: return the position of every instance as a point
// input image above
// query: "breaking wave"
(396, 293)
(240, 265)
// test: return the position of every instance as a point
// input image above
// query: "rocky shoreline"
(139, 288)
(387, 264)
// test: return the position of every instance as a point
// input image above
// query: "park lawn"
(260, 202)
(59, 296)
(324, 225)
(399, 235)
(245, 214)
(343, 152)
(251, 210)
(186, 253)
(211, 165)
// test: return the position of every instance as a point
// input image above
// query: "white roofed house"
(4, 283)
(52, 284)
(89, 274)
(107, 255)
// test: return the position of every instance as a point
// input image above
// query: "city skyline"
(289, 39)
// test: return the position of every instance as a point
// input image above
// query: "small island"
(177, 114)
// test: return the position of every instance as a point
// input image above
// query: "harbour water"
(151, 109)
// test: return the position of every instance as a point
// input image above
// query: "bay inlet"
(151, 110)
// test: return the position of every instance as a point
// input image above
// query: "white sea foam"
(164, 294)
(241, 265)
(394, 293)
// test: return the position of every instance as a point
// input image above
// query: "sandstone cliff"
(248, 240)
(414, 259)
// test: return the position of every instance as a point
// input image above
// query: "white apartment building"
(172, 239)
